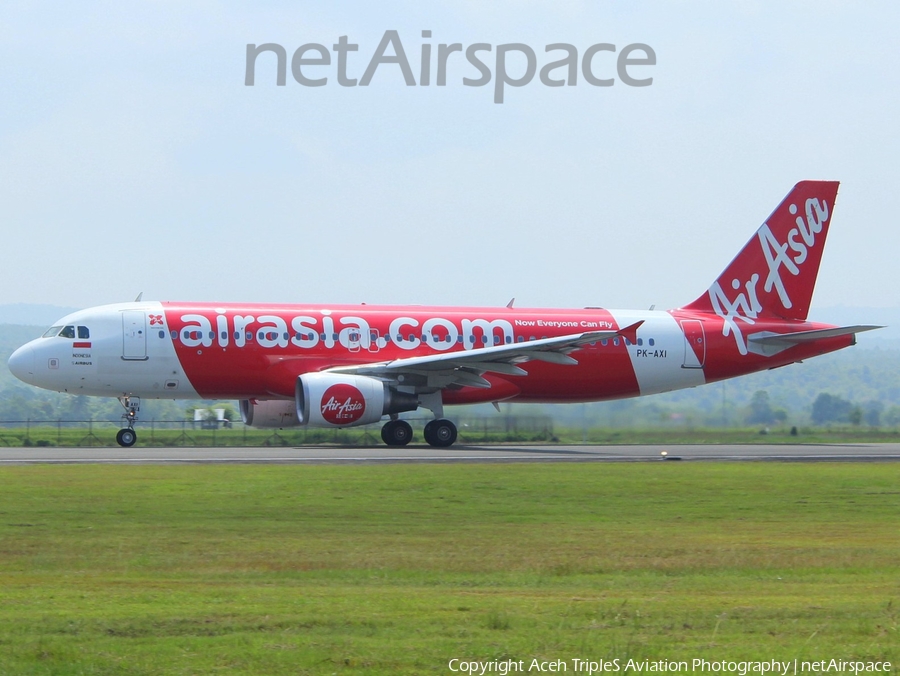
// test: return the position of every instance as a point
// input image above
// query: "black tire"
(396, 433)
(440, 433)
(126, 437)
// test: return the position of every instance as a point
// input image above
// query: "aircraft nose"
(21, 364)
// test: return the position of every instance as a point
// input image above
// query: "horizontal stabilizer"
(768, 343)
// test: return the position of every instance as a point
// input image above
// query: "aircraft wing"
(465, 368)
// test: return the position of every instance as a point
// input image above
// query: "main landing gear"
(440, 433)
(396, 433)
(127, 436)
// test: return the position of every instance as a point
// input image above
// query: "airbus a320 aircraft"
(340, 366)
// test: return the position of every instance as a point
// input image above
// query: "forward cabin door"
(694, 344)
(134, 335)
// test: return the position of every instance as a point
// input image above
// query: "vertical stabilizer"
(775, 273)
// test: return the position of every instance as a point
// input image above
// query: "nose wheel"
(126, 436)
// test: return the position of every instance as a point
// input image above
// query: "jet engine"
(269, 413)
(336, 400)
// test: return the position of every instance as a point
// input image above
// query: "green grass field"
(398, 569)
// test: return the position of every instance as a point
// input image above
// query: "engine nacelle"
(336, 400)
(269, 413)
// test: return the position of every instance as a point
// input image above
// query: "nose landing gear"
(127, 436)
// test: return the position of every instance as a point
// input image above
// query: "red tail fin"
(775, 273)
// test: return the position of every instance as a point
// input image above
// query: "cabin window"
(652, 342)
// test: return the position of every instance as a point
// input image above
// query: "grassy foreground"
(398, 569)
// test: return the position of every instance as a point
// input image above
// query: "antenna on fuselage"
(510, 303)
(139, 296)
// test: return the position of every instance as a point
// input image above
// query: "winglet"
(630, 332)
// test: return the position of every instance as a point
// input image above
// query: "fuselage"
(175, 350)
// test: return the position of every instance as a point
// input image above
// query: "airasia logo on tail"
(343, 404)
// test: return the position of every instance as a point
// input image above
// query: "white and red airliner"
(346, 365)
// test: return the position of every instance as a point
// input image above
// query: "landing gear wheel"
(396, 433)
(440, 433)
(126, 437)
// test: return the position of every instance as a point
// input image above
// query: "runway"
(456, 454)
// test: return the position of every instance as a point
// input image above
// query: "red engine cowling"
(335, 400)
(269, 413)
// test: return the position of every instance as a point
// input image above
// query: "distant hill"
(26, 314)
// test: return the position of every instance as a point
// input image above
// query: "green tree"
(829, 408)
(872, 411)
(761, 412)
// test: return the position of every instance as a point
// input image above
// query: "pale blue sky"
(133, 158)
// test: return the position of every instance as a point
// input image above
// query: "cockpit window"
(84, 332)
(67, 332)
(51, 332)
